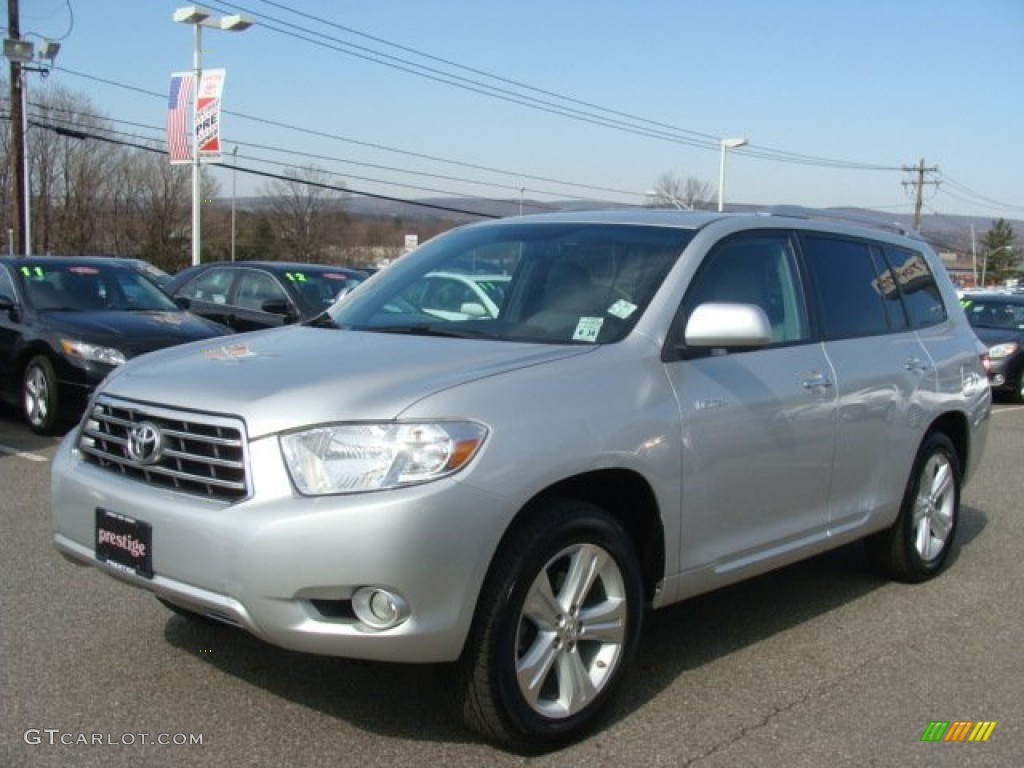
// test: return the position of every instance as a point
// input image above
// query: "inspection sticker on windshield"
(587, 329)
(621, 309)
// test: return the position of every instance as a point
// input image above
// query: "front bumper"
(1004, 374)
(283, 566)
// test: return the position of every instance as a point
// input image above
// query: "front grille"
(199, 454)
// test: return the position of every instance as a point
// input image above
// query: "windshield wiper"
(446, 331)
(323, 320)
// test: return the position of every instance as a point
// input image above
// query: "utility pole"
(18, 208)
(918, 183)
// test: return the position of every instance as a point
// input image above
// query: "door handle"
(916, 365)
(817, 381)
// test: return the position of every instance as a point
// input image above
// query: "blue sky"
(873, 84)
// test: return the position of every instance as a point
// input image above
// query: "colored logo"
(958, 730)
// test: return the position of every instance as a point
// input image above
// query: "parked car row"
(66, 322)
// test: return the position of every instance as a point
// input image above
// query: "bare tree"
(690, 193)
(153, 208)
(302, 211)
(70, 173)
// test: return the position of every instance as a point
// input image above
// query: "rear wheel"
(918, 543)
(40, 399)
(558, 620)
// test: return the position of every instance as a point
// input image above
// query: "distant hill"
(943, 231)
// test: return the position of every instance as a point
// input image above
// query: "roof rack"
(832, 214)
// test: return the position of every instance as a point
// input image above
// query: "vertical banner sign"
(179, 107)
(207, 117)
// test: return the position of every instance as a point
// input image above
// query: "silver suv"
(664, 404)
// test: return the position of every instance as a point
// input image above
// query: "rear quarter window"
(916, 282)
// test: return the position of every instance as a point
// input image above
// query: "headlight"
(348, 458)
(1002, 350)
(92, 352)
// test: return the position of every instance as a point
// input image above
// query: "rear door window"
(212, 287)
(855, 292)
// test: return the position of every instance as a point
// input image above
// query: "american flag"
(179, 137)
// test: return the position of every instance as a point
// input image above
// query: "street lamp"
(984, 259)
(21, 54)
(234, 179)
(200, 17)
(726, 144)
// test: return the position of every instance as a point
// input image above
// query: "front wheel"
(557, 622)
(40, 400)
(916, 546)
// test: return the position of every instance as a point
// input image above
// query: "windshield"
(540, 282)
(71, 286)
(320, 288)
(984, 313)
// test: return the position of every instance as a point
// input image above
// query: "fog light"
(379, 608)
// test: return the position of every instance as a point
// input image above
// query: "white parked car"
(458, 295)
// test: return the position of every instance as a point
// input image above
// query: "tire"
(538, 613)
(917, 545)
(39, 396)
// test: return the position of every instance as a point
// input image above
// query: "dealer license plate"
(124, 542)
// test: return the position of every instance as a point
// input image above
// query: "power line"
(44, 110)
(619, 120)
(370, 145)
(976, 197)
(84, 135)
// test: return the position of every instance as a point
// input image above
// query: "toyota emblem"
(145, 443)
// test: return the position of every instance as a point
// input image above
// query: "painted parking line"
(28, 455)
(998, 411)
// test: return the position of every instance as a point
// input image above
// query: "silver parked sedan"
(663, 403)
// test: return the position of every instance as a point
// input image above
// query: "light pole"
(21, 54)
(234, 179)
(984, 259)
(726, 144)
(200, 17)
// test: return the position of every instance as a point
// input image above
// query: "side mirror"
(727, 325)
(280, 307)
(473, 309)
(183, 301)
(11, 307)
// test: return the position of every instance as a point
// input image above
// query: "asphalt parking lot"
(822, 663)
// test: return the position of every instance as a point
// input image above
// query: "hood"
(295, 376)
(992, 336)
(133, 332)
